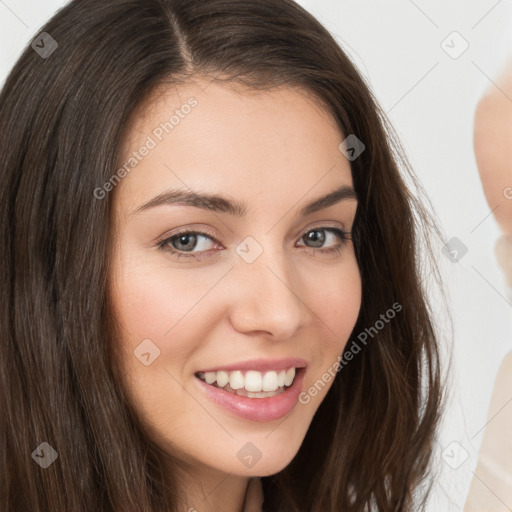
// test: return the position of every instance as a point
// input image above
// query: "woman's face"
(260, 288)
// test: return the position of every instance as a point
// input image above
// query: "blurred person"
(491, 486)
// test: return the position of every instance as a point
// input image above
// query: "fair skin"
(493, 151)
(274, 152)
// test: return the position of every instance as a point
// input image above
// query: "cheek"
(151, 305)
(152, 299)
(335, 300)
(154, 306)
(334, 296)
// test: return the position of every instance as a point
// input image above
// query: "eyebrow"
(219, 204)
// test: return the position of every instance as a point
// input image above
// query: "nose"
(266, 296)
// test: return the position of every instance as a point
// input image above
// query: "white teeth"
(270, 381)
(222, 378)
(252, 382)
(210, 377)
(236, 380)
(290, 375)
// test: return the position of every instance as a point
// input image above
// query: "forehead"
(224, 138)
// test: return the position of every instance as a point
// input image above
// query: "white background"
(430, 99)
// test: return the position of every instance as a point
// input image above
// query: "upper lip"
(261, 365)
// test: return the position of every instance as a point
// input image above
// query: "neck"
(208, 490)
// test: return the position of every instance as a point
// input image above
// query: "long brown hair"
(62, 117)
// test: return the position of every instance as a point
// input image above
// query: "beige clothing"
(491, 487)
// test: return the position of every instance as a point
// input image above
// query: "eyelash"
(164, 245)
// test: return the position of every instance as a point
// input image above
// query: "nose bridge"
(267, 296)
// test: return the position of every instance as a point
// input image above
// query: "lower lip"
(257, 409)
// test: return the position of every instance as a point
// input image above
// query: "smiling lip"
(260, 365)
(257, 409)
